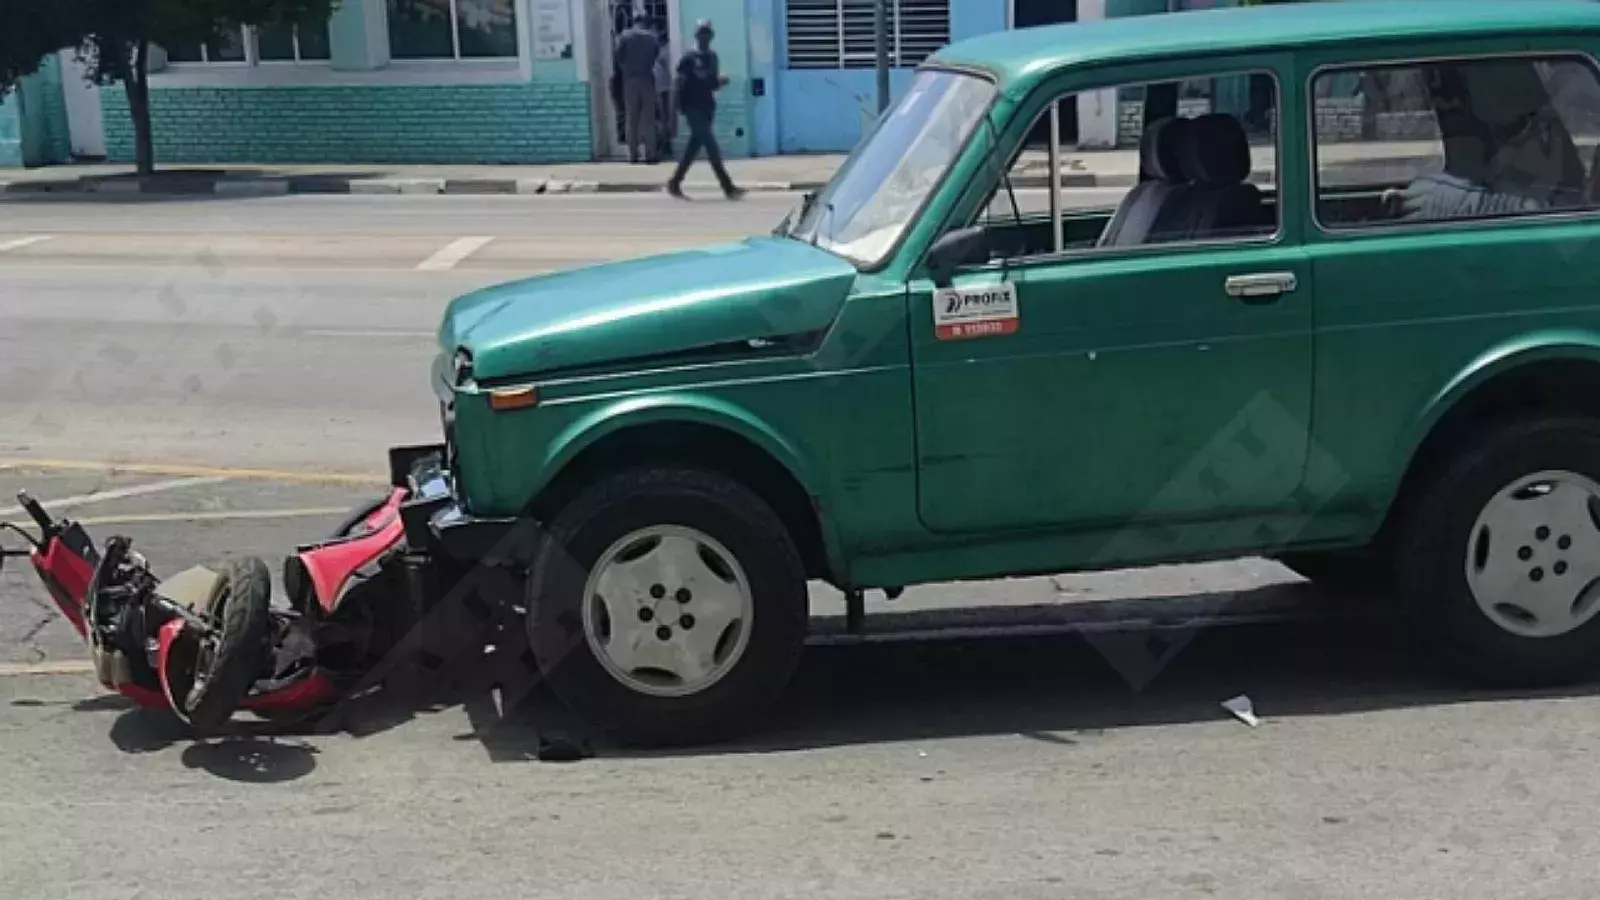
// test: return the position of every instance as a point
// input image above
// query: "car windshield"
(868, 204)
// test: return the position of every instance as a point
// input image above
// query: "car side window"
(1456, 140)
(1141, 164)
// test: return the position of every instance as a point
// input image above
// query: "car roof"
(1022, 56)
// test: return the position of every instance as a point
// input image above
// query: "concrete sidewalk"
(1079, 169)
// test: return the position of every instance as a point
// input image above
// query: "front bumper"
(436, 522)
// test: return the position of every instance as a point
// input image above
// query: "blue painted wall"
(826, 110)
(764, 30)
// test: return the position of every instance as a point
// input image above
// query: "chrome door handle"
(1262, 287)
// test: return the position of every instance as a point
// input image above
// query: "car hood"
(757, 289)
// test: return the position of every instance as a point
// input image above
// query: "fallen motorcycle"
(207, 642)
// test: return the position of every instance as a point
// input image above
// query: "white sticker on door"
(960, 313)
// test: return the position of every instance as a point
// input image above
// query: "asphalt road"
(216, 378)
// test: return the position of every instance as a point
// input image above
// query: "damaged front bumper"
(437, 523)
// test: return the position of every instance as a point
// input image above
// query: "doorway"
(1031, 13)
(612, 18)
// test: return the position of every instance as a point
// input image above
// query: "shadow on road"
(254, 760)
(1053, 687)
(166, 185)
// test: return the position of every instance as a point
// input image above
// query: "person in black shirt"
(636, 52)
(699, 79)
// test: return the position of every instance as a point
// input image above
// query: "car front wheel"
(668, 605)
(1501, 554)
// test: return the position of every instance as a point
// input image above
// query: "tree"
(29, 31)
(115, 36)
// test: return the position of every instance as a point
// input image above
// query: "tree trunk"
(138, 88)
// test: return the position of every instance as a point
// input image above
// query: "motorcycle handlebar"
(36, 513)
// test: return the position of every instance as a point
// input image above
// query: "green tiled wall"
(511, 123)
(10, 129)
(56, 140)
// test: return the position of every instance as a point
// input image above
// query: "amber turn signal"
(506, 399)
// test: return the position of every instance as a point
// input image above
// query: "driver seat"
(1155, 206)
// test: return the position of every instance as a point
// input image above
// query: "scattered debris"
(560, 749)
(1242, 709)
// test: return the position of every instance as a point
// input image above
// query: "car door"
(1099, 385)
(1457, 255)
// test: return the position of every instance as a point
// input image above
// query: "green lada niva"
(1346, 316)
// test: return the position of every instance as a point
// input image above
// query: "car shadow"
(1316, 655)
(1056, 688)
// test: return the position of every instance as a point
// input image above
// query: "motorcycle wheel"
(356, 516)
(228, 661)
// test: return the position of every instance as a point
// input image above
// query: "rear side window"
(1456, 140)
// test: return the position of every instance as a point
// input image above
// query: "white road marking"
(138, 490)
(224, 515)
(19, 243)
(52, 667)
(359, 333)
(454, 252)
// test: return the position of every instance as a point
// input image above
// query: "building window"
(279, 42)
(292, 43)
(452, 29)
(230, 49)
(841, 34)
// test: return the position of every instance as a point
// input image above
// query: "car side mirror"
(954, 249)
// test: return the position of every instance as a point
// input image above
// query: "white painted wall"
(1097, 110)
(84, 127)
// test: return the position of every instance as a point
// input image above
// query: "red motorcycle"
(207, 642)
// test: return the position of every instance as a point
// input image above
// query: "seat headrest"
(1161, 147)
(1215, 151)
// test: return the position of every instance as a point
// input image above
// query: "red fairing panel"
(165, 638)
(313, 690)
(143, 696)
(331, 565)
(66, 575)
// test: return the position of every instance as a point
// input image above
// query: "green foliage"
(110, 33)
(114, 37)
(30, 30)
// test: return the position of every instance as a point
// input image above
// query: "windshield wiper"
(795, 216)
(827, 218)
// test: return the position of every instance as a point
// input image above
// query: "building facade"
(514, 81)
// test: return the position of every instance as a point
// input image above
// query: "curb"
(264, 187)
(321, 184)
(268, 186)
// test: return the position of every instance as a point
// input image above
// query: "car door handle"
(1262, 287)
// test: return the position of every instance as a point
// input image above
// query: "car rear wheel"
(1501, 554)
(668, 605)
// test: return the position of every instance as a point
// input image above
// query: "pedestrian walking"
(699, 79)
(637, 49)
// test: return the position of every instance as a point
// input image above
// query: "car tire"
(1481, 547)
(1346, 573)
(244, 625)
(674, 516)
